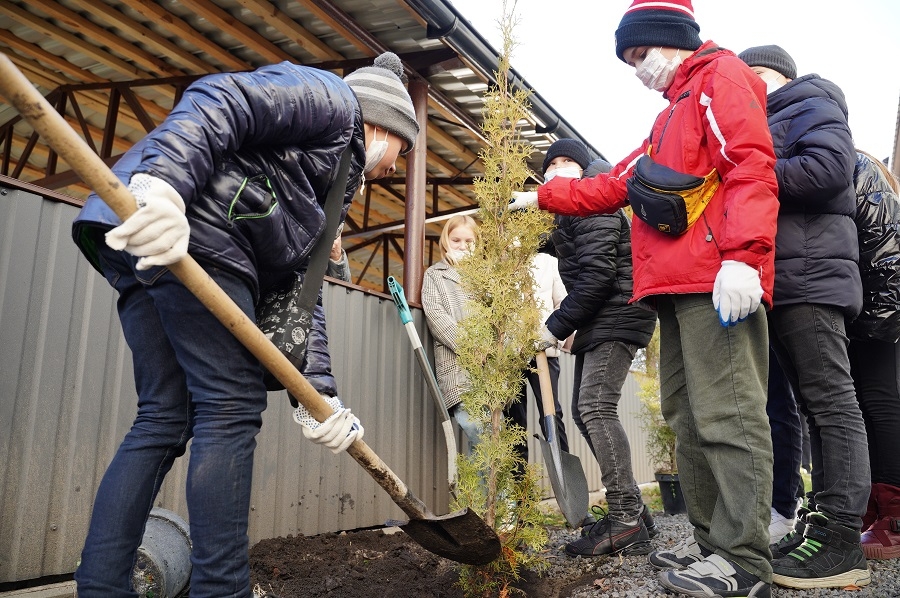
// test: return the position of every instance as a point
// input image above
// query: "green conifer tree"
(497, 338)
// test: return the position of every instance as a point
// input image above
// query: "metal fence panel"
(67, 399)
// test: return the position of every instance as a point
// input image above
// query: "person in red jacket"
(707, 263)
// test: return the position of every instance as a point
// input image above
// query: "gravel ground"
(627, 577)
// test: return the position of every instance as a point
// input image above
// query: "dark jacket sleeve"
(820, 156)
(317, 367)
(595, 241)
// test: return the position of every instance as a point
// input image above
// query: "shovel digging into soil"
(460, 536)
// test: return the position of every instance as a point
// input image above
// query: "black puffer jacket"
(252, 155)
(595, 265)
(816, 250)
(878, 225)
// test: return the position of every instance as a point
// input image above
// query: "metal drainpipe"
(416, 189)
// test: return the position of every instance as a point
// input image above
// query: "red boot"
(882, 539)
(871, 509)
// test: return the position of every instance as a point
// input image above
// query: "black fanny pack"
(668, 200)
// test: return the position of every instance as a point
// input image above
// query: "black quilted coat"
(878, 225)
(594, 255)
(252, 155)
(816, 250)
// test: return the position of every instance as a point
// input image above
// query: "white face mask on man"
(375, 152)
(656, 71)
(566, 172)
(772, 83)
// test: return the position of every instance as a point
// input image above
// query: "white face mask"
(457, 254)
(375, 152)
(566, 172)
(772, 84)
(656, 71)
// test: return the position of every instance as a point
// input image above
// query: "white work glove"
(547, 340)
(158, 232)
(523, 199)
(337, 432)
(737, 292)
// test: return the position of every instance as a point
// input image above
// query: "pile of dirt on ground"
(365, 564)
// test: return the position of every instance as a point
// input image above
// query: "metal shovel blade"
(461, 536)
(564, 469)
(569, 484)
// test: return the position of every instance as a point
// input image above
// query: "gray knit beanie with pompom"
(384, 100)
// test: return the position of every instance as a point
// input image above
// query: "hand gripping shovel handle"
(93, 171)
(406, 318)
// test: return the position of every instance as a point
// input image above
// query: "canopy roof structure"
(115, 68)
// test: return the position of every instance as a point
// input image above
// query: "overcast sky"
(566, 52)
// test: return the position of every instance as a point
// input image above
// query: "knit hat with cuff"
(384, 100)
(772, 57)
(570, 148)
(668, 24)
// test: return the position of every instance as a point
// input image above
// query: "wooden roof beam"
(146, 36)
(73, 42)
(233, 26)
(100, 36)
(153, 12)
(290, 28)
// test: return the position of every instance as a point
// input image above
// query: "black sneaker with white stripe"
(681, 555)
(715, 576)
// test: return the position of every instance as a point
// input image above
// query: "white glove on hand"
(158, 232)
(337, 432)
(547, 340)
(737, 292)
(522, 200)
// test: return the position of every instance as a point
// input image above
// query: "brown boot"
(882, 539)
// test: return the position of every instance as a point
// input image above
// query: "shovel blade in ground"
(569, 484)
(461, 536)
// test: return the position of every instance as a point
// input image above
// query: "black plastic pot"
(670, 491)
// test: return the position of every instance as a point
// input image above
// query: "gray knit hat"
(384, 101)
(772, 57)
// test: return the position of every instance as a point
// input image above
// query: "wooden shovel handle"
(93, 171)
(543, 369)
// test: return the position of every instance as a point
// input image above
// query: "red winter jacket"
(716, 118)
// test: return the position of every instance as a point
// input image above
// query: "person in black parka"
(875, 352)
(594, 255)
(817, 292)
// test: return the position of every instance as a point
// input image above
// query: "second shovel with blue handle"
(406, 318)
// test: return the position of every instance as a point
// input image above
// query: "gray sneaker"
(685, 553)
(715, 576)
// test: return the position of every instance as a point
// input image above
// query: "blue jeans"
(599, 376)
(787, 441)
(811, 344)
(194, 380)
(469, 426)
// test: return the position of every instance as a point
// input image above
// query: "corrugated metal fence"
(67, 399)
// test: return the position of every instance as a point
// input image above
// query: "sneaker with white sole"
(779, 527)
(681, 555)
(715, 576)
(830, 557)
